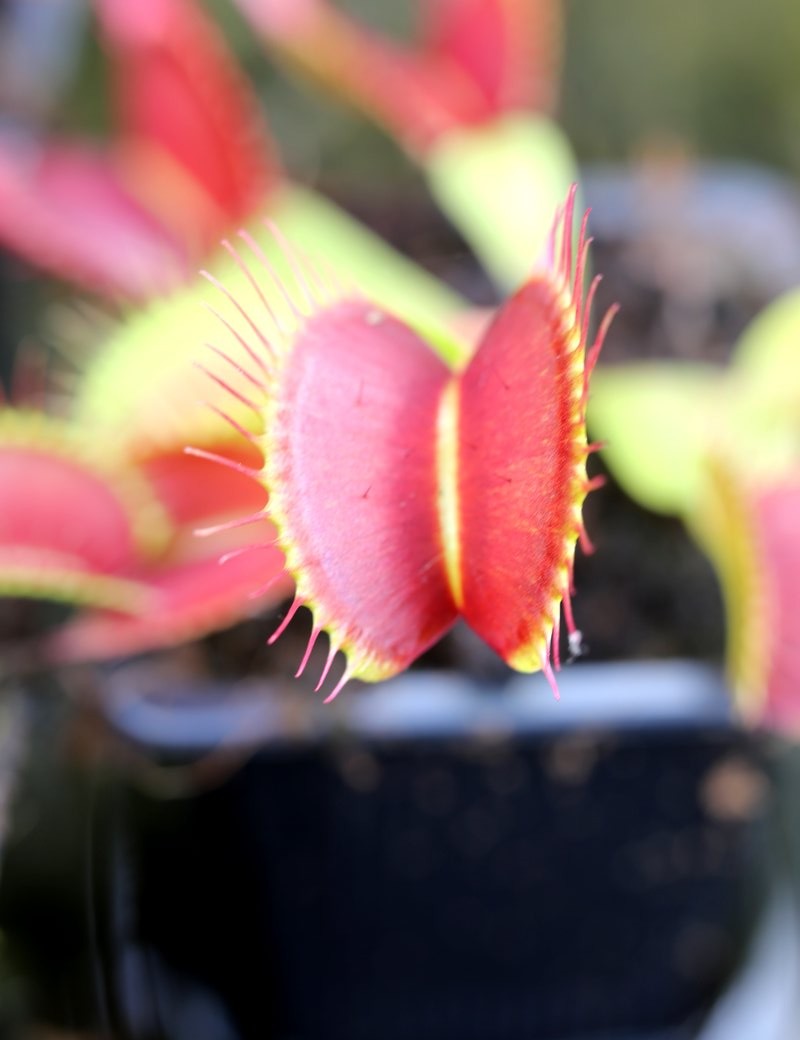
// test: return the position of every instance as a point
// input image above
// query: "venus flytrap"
(190, 158)
(103, 516)
(74, 522)
(398, 488)
(720, 449)
(85, 523)
(747, 525)
(349, 440)
(143, 396)
(406, 492)
(190, 161)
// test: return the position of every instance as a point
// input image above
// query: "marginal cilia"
(406, 493)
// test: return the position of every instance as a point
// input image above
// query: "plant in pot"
(424, 847)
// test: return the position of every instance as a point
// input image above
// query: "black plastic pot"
(432, 860)
(427, 859)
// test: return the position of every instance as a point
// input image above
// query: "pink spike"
(566, 237)
(587, 309)
(228, 525)
(549, 674)
(346, 676)
(566, 605)
(595, 483)
(580, 266)
(253, 380)
(332, 649)
(319, 287)
(241, 340)
(594, 447)
(223, 385)
(555, 640)
(229, 295)
(586, 543)
(234, 554)
(552, 244)
(594, 353)
(315, 289)
(240, 262)
(293, 261)
(231, 422)
(312, 640)
(570, 589)
(334, 281)
(262, 589)
(583, 238)
(581, 303)
(274, 278)
(333, 285)
(296, 604)
(239, 467)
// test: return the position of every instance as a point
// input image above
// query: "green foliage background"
(721, 76)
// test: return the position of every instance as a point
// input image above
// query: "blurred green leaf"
(656, 420)
(766, 372)
(501, 186)
(144, 387)
(321, 229)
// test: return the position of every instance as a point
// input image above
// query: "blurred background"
(195, 849)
